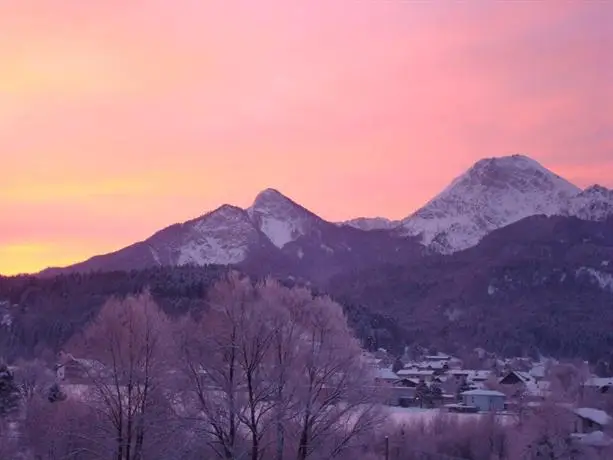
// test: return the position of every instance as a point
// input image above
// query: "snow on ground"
(409, 415)
(603, 279)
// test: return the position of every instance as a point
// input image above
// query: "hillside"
(539, 285)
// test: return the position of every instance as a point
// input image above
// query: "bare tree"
(214, 380)
(32, 377)
(546, 433)
(337, 395)
(60, 431)
(270, 365)
(128, 353)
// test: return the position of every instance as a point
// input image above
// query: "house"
(438, 357)
(401, 396)
(590, 420)
(407, 382)
(516, 378)
(600, 384)
(538, 372)
(425, 375)
(484, 400)
(77, 370)
(538, 390)
(385, 376)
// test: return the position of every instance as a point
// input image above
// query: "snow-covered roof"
(437, 356)
(482, 393)
(385, 374)
(478, 374)
(425, 364)
(595, 439)
(414, 372)
(595, 415)
(599, 382)
(537, 371)
(525, 377)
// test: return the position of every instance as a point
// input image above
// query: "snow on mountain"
(222, 236)
(593, 203)
(279, 218)
(493, 193)
(371, 223)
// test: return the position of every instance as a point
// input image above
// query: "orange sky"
(120, 117)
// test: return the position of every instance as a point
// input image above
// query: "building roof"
(538, 371)
(402, 372)
(525, 377)
(482, 393)
(385, 373)
(595, 439)
(599, 382)
(595, 415)
(437, 356)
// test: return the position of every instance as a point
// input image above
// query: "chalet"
(425, 375)
(517, 378)
(410, 383)
(538, 372)
(77, 370)
(484, 400)
(386, 376)
(538, 389)
(590, 420)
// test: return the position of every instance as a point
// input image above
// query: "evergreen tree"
(55, 393)
(398, 365)
(436, 393)
(464, 386)
(422, 393)
(10, 396)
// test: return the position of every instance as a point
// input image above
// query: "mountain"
(223, 236)
(281, 219)
(593, 203)
(275, 235)
(493, 193)
(543, 284)
(279, 236)
(371, 223)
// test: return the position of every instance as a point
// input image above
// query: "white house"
(484, 400)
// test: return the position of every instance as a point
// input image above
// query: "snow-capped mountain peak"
(222, 236)
(593, 203)
(371, 223)
(279, 218)
(493, 193)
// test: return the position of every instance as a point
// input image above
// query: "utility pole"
(387, 448)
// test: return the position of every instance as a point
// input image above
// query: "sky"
(118, 118)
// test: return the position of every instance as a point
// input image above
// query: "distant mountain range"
(281, 235)
(509, 257)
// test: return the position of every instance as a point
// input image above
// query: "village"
(436, 385)
(440, 383)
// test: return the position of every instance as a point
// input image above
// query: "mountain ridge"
(493, 193)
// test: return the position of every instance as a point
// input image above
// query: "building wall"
(485, 402)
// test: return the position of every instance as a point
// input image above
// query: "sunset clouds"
(120, 117)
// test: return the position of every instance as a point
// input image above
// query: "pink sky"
(120, 117)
